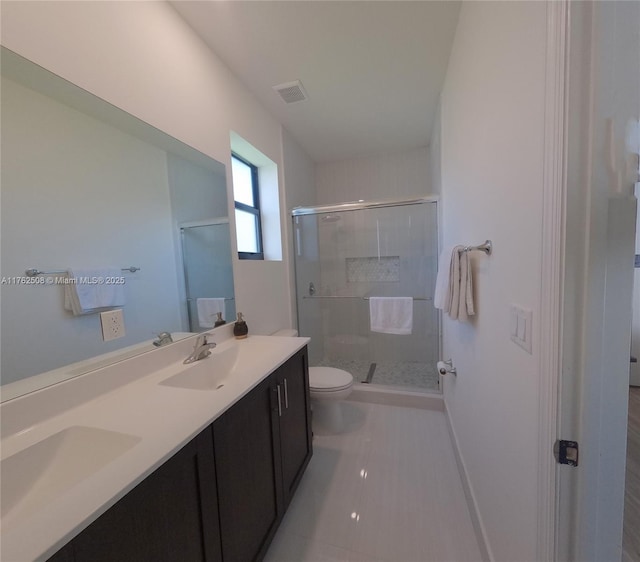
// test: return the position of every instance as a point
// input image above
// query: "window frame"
(254, 210)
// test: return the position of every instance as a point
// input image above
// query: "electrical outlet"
(112, 324)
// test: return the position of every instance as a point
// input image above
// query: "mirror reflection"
(89, 188)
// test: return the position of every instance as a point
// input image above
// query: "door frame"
(552, 268)
(583, 328)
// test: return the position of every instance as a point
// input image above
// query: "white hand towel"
(93, 290)
(468, 291)
(391, 315)
(462, 294)
(453, 306)
(459, 302)
(207, 310)
(441, 297)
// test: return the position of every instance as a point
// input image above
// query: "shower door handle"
(312, 289)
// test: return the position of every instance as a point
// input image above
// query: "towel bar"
(191, 299)
(487, 248)
(33, 272)
(355, 297)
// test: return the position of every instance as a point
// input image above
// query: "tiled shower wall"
(355, 256)
(402, 175)
(383, 269)
(377, 252)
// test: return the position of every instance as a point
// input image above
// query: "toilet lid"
(328, 378)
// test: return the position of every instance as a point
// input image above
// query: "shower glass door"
(344, 257)
(208, 271)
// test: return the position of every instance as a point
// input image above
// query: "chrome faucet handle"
(202, 339)
(201, 349)
(164, 338)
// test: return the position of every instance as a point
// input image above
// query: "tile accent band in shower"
(373, 269)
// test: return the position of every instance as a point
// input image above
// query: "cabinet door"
(295, 421)
(169, 516)
(248, 473)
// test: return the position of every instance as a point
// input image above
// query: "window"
(247, 206)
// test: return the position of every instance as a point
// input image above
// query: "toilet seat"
(329, 379)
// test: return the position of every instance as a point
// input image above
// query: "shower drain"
(372, 369)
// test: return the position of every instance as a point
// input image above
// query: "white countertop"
(24, 386)
(126, 398)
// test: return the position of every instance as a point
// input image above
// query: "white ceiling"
(373, 70)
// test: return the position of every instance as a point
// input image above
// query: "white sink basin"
(44, 471)
(209, 373)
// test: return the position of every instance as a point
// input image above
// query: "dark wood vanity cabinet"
(221, 497)
(247, 474)
(171, 515)
(262, 445)
(294, 421)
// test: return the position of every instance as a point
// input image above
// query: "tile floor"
(631, 534)
(386, 490)
(407, 374)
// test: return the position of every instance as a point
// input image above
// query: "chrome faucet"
(201, 350)
(164, 338)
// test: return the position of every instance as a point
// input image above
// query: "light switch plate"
(521, 327)
(112, 324)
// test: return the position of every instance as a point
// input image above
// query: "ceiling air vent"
(291, 92)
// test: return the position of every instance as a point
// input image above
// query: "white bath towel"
(391, 315)
(441, 294)
(208, 309)
(466, 278)
(92, 290)
(459, 303)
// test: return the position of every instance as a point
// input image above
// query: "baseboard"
(476, 519)
(377, 394)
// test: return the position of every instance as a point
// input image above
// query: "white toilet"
(327, 387)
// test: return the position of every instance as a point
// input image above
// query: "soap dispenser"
(219, 320)
(240, 328)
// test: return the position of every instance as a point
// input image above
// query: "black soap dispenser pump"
(219, 320)
(240, 328)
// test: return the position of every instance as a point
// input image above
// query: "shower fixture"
(330, 218)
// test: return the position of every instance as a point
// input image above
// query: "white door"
(604, 94)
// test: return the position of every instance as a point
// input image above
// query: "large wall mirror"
(85, 185)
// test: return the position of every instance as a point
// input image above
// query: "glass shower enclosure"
(344, 255)
(207, 266)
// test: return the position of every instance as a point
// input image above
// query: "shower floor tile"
(407, 374)
(386, 490)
